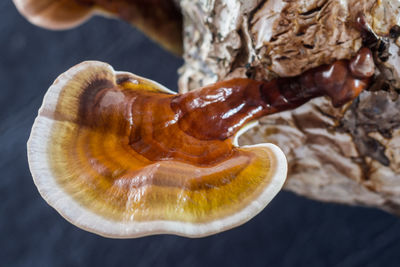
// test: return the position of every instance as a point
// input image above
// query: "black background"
(291, 231)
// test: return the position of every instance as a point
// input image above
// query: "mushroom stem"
(220, 110)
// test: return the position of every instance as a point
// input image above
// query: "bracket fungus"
(107, 152)
(159, 19)
(122, 156)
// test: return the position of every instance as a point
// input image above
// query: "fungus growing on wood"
(160, 20)
(122, 156)
(347, 155)
(107, 152)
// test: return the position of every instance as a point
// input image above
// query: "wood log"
(347, 155)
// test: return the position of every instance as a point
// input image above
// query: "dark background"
(291, 231)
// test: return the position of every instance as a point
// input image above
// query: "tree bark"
(347, 155)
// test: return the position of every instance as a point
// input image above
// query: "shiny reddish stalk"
(220, 110)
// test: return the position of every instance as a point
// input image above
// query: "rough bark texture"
(348, 155)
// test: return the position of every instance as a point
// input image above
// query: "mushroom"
(161, 20)
(122, 156)
(107, 153)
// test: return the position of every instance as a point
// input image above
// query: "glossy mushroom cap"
(161, 20)
(54, 14)
(107, 153)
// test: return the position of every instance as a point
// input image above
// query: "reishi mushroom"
(122, 156)
(99, 154)
(160, 20)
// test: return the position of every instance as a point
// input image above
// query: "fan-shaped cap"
(106, 153)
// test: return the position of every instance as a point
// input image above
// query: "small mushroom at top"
(160, 20)
(122, 156)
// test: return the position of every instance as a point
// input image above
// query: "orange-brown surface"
(118, 150)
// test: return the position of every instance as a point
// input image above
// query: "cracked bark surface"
(347, 155)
